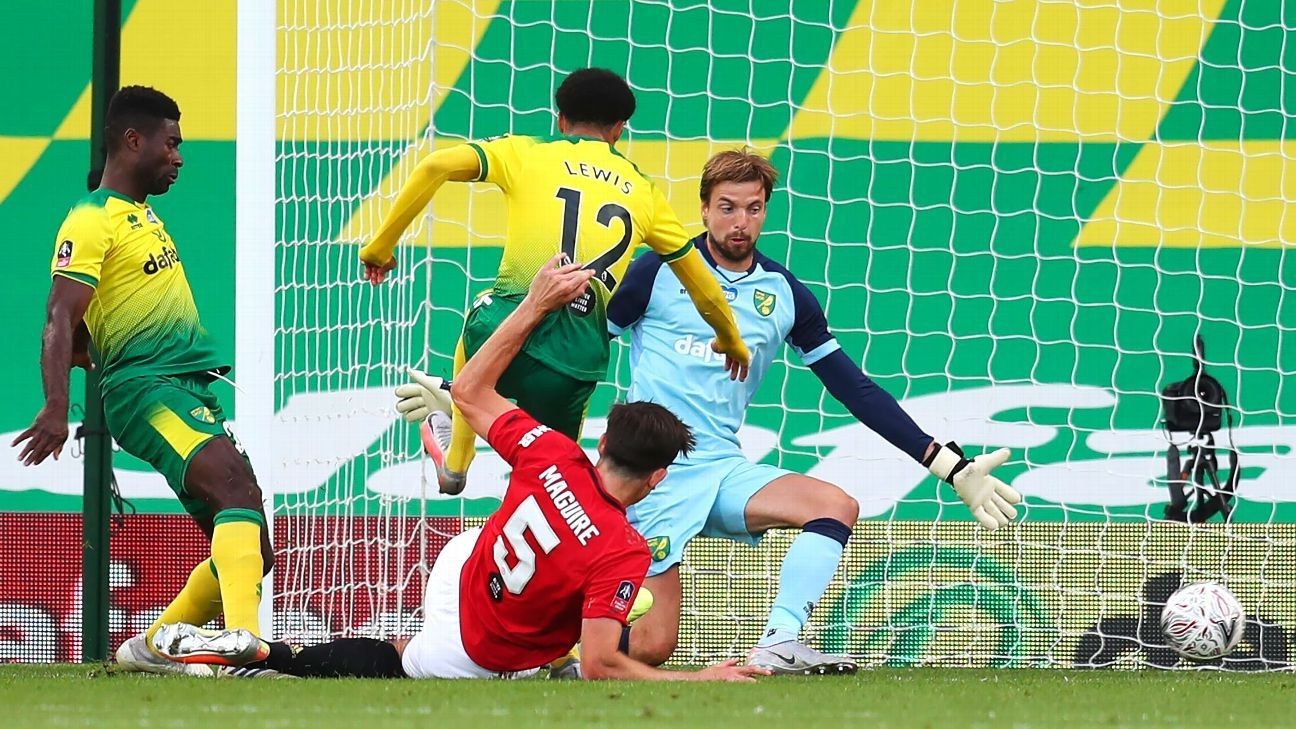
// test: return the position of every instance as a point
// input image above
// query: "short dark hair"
(643, 437)
(595, 96)
(140, 108)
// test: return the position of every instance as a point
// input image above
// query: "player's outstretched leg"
(342, 658)
(453, 438)
(177, 426)
(824, 513)
(807, 568)
(220, 477)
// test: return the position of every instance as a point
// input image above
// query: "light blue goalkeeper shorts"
(704, 495)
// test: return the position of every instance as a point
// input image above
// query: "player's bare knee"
(652, 647)
(844, 508)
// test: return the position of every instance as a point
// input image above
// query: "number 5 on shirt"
(527, 517)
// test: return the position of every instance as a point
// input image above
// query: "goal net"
(1018, 217)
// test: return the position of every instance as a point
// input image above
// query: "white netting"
(1018, 216)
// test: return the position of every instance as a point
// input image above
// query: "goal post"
(1018, 217)
(255, 245)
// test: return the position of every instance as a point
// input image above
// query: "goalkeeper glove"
(990, 500)
(422, 395)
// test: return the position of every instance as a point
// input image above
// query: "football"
(1203, 621)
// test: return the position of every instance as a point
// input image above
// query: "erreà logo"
(167, 258)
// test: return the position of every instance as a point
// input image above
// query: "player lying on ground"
(572, 194)
(715, 490)
(118, 274)
(558, 562)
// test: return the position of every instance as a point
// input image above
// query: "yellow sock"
(198, 603)
(463, 441)
(236, 552)
(463, 444)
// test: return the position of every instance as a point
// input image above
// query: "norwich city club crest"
(659, 548)
(202, 414)
(764, 302)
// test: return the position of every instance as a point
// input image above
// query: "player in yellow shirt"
(572, 194)
(118, 273)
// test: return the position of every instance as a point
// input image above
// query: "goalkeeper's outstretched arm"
(458, 163)
(991, 501)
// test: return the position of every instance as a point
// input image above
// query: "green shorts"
(165, 420)
(555, 399)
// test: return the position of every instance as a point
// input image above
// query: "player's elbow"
(464, 392)
(595, 672)
(601, 667)
(454, 163)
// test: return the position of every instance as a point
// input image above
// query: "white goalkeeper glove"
(990, 500)
(423, 395)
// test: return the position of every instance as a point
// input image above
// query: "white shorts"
(437, 650)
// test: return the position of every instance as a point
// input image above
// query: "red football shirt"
(558, 550)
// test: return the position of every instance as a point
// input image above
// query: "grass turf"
(76, 695)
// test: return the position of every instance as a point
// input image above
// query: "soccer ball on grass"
(1203, 621)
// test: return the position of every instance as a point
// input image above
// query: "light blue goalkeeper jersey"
(671, 362)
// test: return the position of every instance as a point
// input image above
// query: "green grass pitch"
(76, 695)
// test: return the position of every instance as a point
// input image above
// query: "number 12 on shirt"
(609, 212)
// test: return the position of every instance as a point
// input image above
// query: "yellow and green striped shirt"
(142, 317)
(577, 196)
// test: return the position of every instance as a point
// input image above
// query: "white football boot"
(435, 431)
(135, 655)
(185, 643)
(798, 659)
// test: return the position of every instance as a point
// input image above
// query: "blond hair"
(737, 165)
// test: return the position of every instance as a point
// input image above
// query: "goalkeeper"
(575, 195)
(715, 490)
